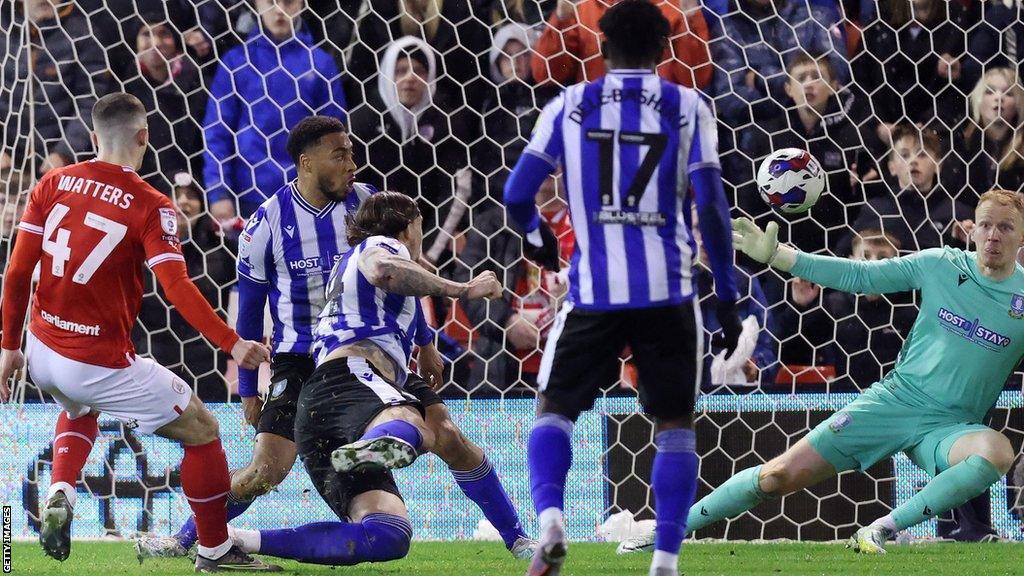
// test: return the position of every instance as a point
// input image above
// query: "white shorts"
(144, 396)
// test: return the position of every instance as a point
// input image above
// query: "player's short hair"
(309, 131)
(382, 214)
(635, 32)
(928, 138)
(117, 112)
(1006, 198)
(804, 59)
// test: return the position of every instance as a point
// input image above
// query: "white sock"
(67, 489)
(247, 540)
(216, 551)
(664, 559)
(886, 522)
(548, 517)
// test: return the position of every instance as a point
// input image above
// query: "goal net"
(912, 109)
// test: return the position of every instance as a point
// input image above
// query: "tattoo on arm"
(403, 276)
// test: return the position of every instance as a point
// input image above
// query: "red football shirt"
(100, 222)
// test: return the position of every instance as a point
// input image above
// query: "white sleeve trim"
(545, 157)
(165, 257)
(30, 228)
(251, 277)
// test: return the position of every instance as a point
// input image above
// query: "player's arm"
(859, 277)
(253, 291)
(537, 162)
(17, 283)
(17, 290)
(713, 214)
(159, 236)
(386, 265)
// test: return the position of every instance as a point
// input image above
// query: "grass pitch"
(488, 558)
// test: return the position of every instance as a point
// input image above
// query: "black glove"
(732, 327)
(545, 255)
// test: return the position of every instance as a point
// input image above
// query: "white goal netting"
(912, 108)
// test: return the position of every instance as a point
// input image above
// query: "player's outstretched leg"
(674, 481)
(393, 440)
(799, 467)
(272, 459)
(72, 443)
(978, 460)
(549, 454)
(206, 483)
(478, 480)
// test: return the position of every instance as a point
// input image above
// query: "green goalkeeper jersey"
(969, 333)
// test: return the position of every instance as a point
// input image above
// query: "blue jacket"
(260, 91)
(742, 43)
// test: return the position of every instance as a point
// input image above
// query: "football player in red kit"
(91, 226)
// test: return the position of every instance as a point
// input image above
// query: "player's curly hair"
(308, 132)
(635, 32)
(382, 214)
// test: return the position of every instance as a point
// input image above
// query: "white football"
(790, 180)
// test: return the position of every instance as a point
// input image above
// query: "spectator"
(166, 336)
(170, 88)
(414, 146)
(818, 124)
(758, 38)
(922, 214)
(911, 64)
(500, 12)
(510, 332)
(69, 73)
(510, 113)
(569, 50)
(804, 330)
(260, 90)
(989, 151)
(448, 27)
(869, 328)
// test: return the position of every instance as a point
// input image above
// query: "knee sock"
(946, 491)
(482, 486)
(72, 442)
(396, 429)
(735, 496)
(549, 454)
(206, 483)
(378, 538)
(187, 535)
(674, 480)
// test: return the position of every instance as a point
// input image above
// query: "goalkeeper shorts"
(877, 425)
(581, 357)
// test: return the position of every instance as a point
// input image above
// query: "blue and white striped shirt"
(357, 310)
(628, 143)
(291, 246)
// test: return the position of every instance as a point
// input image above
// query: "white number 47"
(59, 248)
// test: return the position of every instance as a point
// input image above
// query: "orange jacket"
(569, 51)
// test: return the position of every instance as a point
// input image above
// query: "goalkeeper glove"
(732, 327)
(748, 238)
(541, 246)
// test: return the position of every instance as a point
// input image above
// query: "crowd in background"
(913, 108)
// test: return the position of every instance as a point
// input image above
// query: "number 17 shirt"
(627, 144)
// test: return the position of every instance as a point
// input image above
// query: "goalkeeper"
(968, 336)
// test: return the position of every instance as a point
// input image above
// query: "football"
(790, 180)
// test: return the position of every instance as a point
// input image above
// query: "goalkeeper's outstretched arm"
(878, 277)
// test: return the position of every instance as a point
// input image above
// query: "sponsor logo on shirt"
(840, 421)
(972, 330)
(75, 327)
(309, 266)
(169, 221)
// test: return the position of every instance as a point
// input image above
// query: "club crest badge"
(1017, 306)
